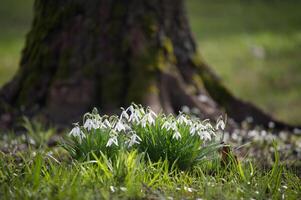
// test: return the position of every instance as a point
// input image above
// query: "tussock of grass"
(92, 169)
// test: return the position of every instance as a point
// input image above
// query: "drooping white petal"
(107, 123)
(124, 115)
(182, 119)
(135, 139)
(177, 135)
(204, 135)
(89, 124)
(192, 130)
(112, 140)
(120, 126)
(134, 117)
(220, 125)
(77, 132)
(166, 125)
(143, 122)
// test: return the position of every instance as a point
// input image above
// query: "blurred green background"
(255, 46)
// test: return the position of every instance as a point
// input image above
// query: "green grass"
(33, 167)
(49, 173)
(229, 35)
(15, 19)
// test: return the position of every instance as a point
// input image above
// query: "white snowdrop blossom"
(77, 132)
(123, 189)
(170, 126)
(148, 118)
(177, 135)
(166, 125)
(124, 115)
(107, 123)
(120, 126)
(112, 188)
(204, 135)
(182, 119)
(112, 140)
(130, 127)
(192, 130)
(134, 117)
(135, 139)
(99, 124)
(89, 124)
(220, 125)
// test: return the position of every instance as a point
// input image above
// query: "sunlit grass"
(30, 169)
(46, 173)
(255, 47)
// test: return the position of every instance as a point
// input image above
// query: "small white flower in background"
(112, 188)
(188, 189)
(112, 140)
(185, 109)
(89, 124)
(176, 135)
(123, 189)
(77, 132)
(135, 139)
(271, 125)
(220, 125)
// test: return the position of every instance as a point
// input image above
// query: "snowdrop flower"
(182, 119)
(124, 115)
(151, 117)
(176, 135)
(204, 135)
(107, 123)
(188, 189)
(220, 125)
(76, 132)
(166, 125)
(135, 139)
(130, 108)
(134, 117)
(99, 124)
(148, 118)
(193, 130)
(89, 124)
(120, 126)
(112, 140)
(112, 188)
(208, 126)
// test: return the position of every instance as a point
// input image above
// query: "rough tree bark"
(109, 53)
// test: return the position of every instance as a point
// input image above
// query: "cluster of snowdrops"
(182, 140)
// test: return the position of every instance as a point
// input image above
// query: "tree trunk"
(109, 53)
